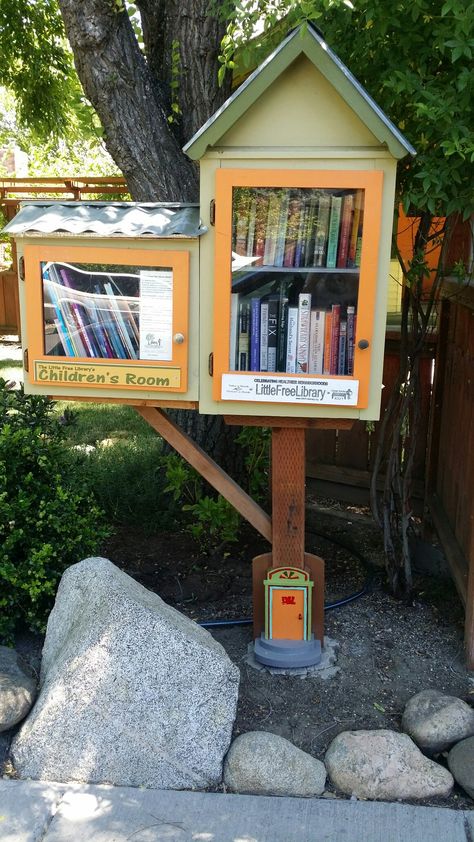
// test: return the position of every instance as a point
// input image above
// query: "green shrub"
(128, 479)
(48, 517)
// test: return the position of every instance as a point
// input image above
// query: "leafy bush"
(48, 517)
(128, 479)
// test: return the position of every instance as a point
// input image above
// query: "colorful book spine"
(335, 324)
(254, 334)
(321, 230)
(294, 213)
(304, 314)
(310, 231)
(241, 223)
(273, 308)
(264, 336)
(316, 341)
(327, 342)
(351, 324)
(244, 337)
(261, 216)
(271, 233)
(282, 334)
(282, 229)
(252, 226)
(291, 342)
(345, 232)
(121, 327)
(356, 218)
(333, 235)
(300, 240)
(234, 330)
(342, 358)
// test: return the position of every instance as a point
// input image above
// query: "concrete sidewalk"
(34, 811)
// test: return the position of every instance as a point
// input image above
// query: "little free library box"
(266, 303)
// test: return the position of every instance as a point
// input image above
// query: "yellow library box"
(107, 297)
(297, 190)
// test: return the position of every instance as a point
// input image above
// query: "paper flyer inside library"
(317, 390)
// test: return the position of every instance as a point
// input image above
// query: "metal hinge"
(210, 366)
(21, 268)
(26, 361)
(212, 212)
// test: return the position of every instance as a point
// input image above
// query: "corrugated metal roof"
(107, 219)
(310, 42)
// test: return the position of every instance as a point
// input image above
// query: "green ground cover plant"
(49, 518)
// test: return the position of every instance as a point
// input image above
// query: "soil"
(388, 650)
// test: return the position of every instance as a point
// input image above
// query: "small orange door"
(288, 613)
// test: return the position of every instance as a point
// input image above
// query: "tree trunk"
(130, 103)
(187, 71)
(133, 96)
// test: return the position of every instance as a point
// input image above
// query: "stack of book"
(100, 323)
(299, 227)
(268, 333)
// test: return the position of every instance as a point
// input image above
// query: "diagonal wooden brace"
(210, 470)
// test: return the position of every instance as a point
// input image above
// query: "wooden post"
(288, 497)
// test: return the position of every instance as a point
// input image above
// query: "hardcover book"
(333, 235)
(304, 314)
(316, 341)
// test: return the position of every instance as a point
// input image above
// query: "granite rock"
(261, 763)
(384, 764)
(132, 692)
(461, 764)
(436, 721)
(17, 689)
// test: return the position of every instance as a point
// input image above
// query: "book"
(300, 240)
(350, 338)
(345, 230)
(334, 347)
(316, 341)
(251, 228)
(291, 341)
(333, 234)
(254, 334)
(244, 337)
(273, 316)
(310, 231)
(341, 363)
(241, 222)
(234, 330)
(356, 220)
(271, 231)
(282, 228)
(321, 230)
(282, 334)
(264, 336)
(294, 213)
(261, 216)
(302, 351)
(327, 342)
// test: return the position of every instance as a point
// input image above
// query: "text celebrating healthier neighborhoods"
(296, 257)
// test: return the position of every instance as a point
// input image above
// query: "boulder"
(384, 764)
(461, 764)
(17, 689)
(436, 721)
(261, 763)
(132, 692)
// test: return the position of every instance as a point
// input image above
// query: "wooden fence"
(341, 461)
(450, 475)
